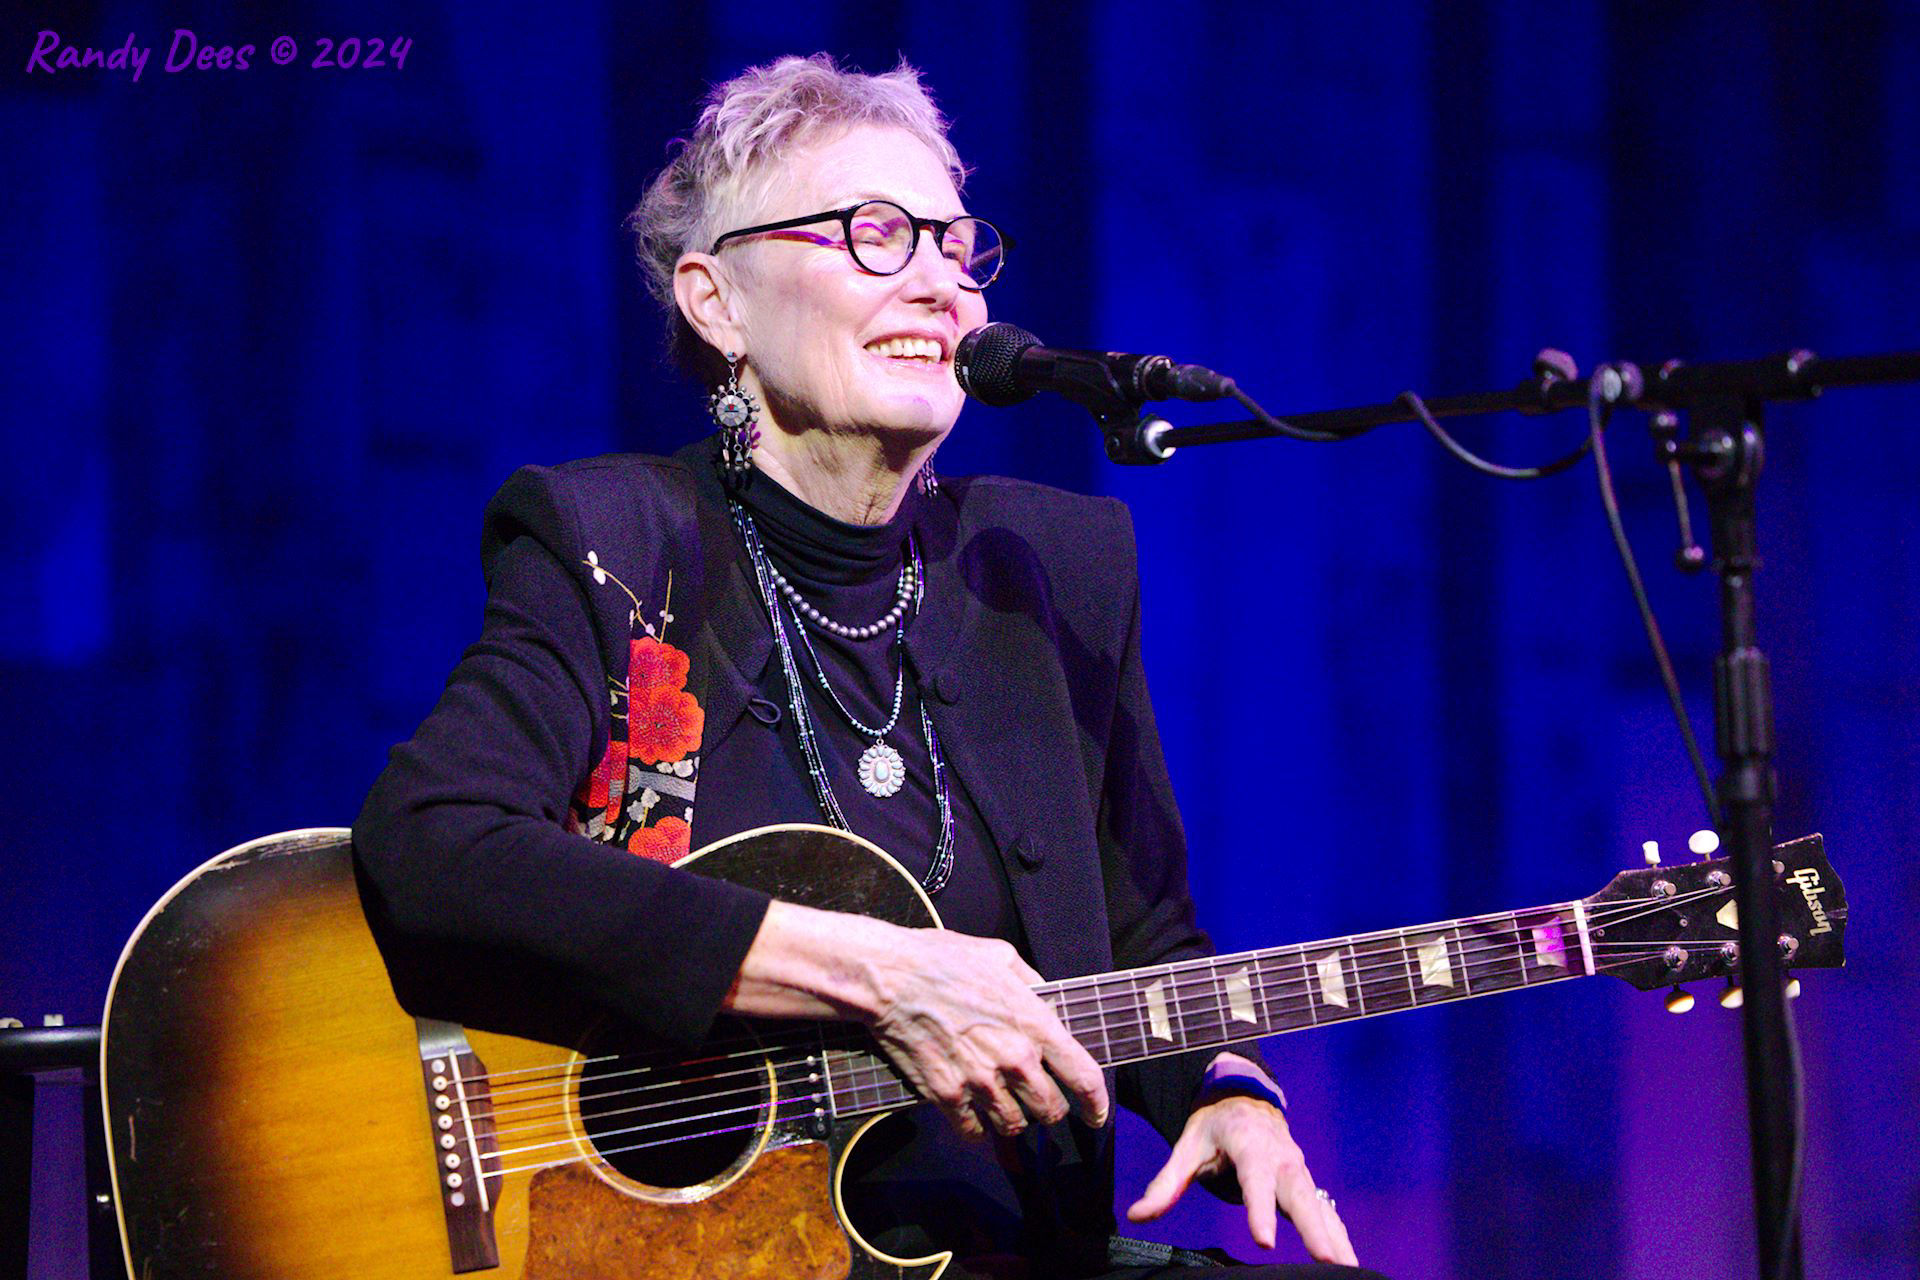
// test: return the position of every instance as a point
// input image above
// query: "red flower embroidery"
(666, 841)
(653, 665)
(663, 720)
(663, 725)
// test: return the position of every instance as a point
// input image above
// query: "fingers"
(1252, 1138)
(1314, 1218)
(1257, 1192)
(1076, 1070)
(1345, 1254)
(964, 1024)
(1054, 1054)
(946, 1089)
(1038, 1094)
(1168, 1185)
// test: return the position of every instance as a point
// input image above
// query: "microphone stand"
(1725, 451)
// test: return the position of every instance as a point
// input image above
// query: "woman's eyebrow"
(861, 197)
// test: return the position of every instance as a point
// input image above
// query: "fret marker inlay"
(1333, 982)
(1550, 944)
(1435, 971)
(1157, 1018)
(1239, 986)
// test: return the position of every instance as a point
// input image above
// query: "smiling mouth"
(911, 351)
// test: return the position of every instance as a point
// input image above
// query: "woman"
(798, 622)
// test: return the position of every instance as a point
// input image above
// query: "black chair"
(25, 1052)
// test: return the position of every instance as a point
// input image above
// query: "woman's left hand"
(1251, 1138)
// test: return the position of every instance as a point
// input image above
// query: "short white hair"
(748, 127)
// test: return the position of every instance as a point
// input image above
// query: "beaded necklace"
(940, 869)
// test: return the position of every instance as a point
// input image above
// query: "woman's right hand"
(956, 1014)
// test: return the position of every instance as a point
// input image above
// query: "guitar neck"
(1136, 1014)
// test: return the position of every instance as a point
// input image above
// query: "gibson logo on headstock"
(1808, 882)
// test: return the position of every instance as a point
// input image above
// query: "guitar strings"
(801, 1101)
(1470, 956)
(862, 1077)
(1215, 1030)
(877, 1076)
(1198, 971)
(1076, 1023)
(1616, 912)
(872, 1077)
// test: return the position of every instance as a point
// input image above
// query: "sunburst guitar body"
(274, 1113)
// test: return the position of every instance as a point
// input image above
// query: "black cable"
(1599, 410)
(1280, 428)
(1790, 1220)
(1460, 451)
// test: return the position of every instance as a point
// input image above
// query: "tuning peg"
(1651, 851)
(1679, 1001)
(1793, 988)
(1732, 997)
(1704, 843)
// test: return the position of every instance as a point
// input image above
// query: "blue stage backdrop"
(273, 336)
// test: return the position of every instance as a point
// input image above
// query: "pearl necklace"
(909, 582)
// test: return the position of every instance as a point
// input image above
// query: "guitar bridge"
(460, 1127)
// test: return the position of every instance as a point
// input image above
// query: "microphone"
(1002, 364)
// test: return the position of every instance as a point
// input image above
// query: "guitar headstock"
(1667, 925)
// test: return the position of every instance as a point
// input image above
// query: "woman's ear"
(705, 297)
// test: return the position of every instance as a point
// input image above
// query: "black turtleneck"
(912, 1174)
(850, 573)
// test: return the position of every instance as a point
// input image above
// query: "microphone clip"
(1140, 442)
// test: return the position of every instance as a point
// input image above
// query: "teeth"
(906, 348)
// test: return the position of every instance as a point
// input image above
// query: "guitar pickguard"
(776, 1220)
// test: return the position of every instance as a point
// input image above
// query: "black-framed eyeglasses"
(882, 238)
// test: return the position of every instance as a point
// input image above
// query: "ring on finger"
(1332, 1204)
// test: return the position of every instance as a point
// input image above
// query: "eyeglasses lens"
(884, 236)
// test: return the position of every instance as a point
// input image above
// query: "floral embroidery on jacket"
(652, 744)
(663, 719)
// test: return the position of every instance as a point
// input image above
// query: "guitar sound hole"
(669, 1124)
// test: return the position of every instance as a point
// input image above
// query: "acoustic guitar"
(274, 1114)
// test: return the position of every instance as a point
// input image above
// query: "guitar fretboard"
(1137, 1014)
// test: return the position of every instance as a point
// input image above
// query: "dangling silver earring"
(929, 483)
(737, 415)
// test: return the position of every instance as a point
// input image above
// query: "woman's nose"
(929, 276)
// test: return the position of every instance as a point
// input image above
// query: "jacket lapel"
(735, 638)
(966, 657)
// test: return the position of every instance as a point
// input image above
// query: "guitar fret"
(1406, 967)
(826, 1068)
(1466, 978)
(1544, 943)
(1494, 955)
(1100, 1013)
(1439, 965)
(1161, 1000)
(1277, 1001)
(1335, 980)
(1306, 983)
(1384, 978)
(1263, 995)
(1235, 994)
(1085, 1004)
(1128, 1039)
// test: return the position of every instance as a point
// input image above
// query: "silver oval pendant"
(882, 771)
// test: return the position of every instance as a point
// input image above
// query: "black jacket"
(1026, 651)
